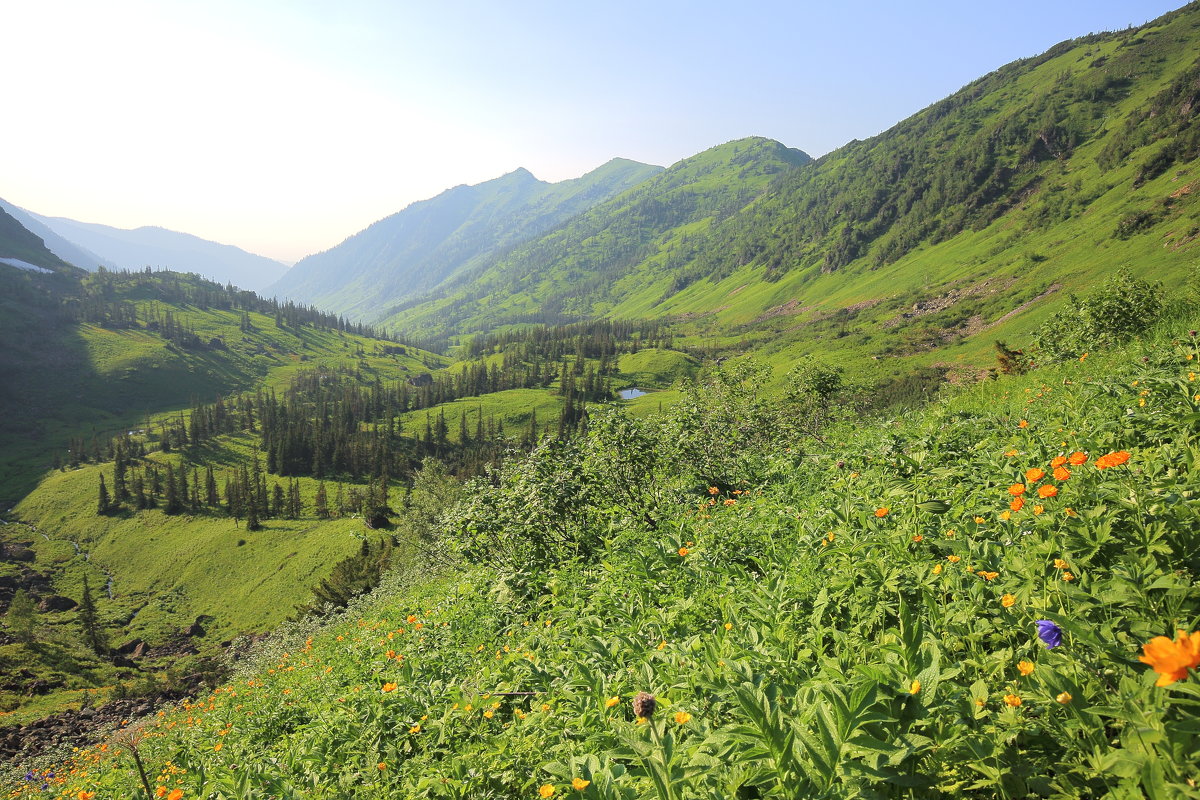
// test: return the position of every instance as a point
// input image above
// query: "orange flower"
(1008, 600)
(1068, 577)
(918, 538)
(579, 784)
(176, 794)
(1034, 475)
(381, 766)
(1077, 458)
(1112, 460)
(1023, 423)
(612, 701)
(1171, 660)
(1012, 700)
(1017, 489)
(1057, 462)
(389, 687)
(161, 791)
(86, 795)
(881, 512)
(683, 551)
(713, 490)
(1038, 509)
(953, 559)
(1061, 473)
(988, 576)
(546, 790)
(1025, 668)
(1017, 503)
(1048, 490)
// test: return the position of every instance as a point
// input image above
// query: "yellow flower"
(609, 703)
(217, 747)
(1012, 700)
(682, 717)
(937, 569)
(389, 687)
(954, 559)
(1008, 600)
(1068, 577)
(915, 687)
(489, 714)
(579, 784)
(1060, 564)
(661, 645)
(381, 766)
(546, 790)
(1064, 698)
(1070, 512)
(728, 626)
(1025, 668)
(415, 728)
(980, 520)
(1005, 515)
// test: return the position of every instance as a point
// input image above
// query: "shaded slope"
(415, 249)
(66, 250)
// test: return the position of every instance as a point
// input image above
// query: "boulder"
(56, 602)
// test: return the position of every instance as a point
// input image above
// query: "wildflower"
(381, 766)
(1049, 633)
(683, 551)
(713, 490)
(915, 687)
(1068, 577)
(1057, 462)
(662, 645)
(1064, 698)
(937, 569)
(161, 791)
(1005, 515)
(1023, 423)
(86, 795)
(1017, 503)
(1070, 512)
(217, 747)
(980, 520)
(546, 790)
(1078, 458)
(1061, 474)
(389, 687)
(1017, 489)
(176, 794)
(988, 576)
(1012, 700)
(954, 559)
(489, 714)
(1025, 668)
(682, 717)
(415, 728)
(1008, 600)
(1171, 660)
(1060, 564)
(918, 538)
(1038, 509)
(1048, 490)
(612, 701)
(1082, 357)
(1112, 460)
(881, 512)
(728, 626)
(411, 618)
(644, 705)
(579, 784)
(1034, 475)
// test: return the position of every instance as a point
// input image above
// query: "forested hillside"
(414, 250)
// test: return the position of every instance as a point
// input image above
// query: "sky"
(284, 126)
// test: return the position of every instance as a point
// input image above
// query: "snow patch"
(19, 264)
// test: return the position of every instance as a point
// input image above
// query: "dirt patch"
(952, 295)
(738, 289)
(791, 308)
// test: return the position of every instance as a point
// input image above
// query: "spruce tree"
(104, 504)
(322, 502)
(21, 619)
(120, 490)
(93, 637)
(171, 502)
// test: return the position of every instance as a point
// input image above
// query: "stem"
(137, 759)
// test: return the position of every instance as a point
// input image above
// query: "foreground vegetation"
(964, 601)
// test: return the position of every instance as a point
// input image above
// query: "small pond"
(629, 394)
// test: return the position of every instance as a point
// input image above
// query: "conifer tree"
(171, 502)
(21, 617)
(104, 504)
(322, 502)
(93, 637)
(120, 466)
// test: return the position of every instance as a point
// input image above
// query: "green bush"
(1122, 308)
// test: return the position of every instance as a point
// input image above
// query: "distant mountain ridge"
(20, 244)
(413, 250)
(149, 246)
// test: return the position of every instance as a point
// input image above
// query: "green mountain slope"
(575, 270)
(17, 242)
(971, 220)
(415, 249)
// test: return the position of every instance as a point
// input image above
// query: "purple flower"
(1049, 633)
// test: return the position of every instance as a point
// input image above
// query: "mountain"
(574, 269)
(415, 249)
(66, 250)
(24, 247)
(162, 249)
(972, 219)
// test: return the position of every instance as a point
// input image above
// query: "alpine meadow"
(874, 474)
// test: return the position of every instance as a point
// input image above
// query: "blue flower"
(1049, 633)
(29, 776)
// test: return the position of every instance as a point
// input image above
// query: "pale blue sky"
(283, 126)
